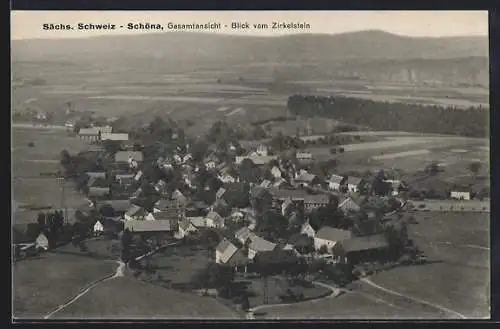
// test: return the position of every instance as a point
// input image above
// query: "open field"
(139, 300)
(28, 163)
(40, 285)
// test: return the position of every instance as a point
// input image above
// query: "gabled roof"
(286, 193)
(215, 217)
(226, 250)
(368, 242)
(243, 233)
(135, 210)
(317, 199)
(265, 183)
(256, 159)
(349, 205)
(306, 177)
(148, 225)
(333, 234)
(303, 155)
(197, 221)
(164, 204)
(275, 256)
(336, 179)
(89, 131)
(170, 214)
(259, 244)
(220, 192)
(353, 180)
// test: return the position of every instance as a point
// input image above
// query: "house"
(228, 178)
(125, 179)
(348, 205)
(104, 129)
(135, 213)
(265, 183)
(361, 248)
(314, 201)
(98, 228)
(352, 184)
(276, 260)
(220, 193)
(149, 226)
(306, 179)
(276, 172)
(237, 215)
(258, 245)
(213, 219)
(304, 156)
(396, 186)
(262, 150)
(114, 136)
(335, 182)
(94, 174)
(301, 243)
(170, 215)
(329, 236)
(308, 230)
(460, 195)
(129, 156)
(90, 134)
(98, 193)
(243, 234)
(283, 194)
(196, 208)
(42, 241)
(224, 251)
(286, 206)
(198, 221)
(186, 227)
(280, 182)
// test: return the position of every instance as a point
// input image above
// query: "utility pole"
(63, 199)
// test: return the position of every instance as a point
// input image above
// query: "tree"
(323, 250)
(214, 276)
(432, 169)
(111, 146)
(126, 241)
(249, 172)
(41, 222)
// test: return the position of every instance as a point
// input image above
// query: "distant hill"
(180, 50)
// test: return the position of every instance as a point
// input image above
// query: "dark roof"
(318, 198)
(336, 179)
(286, 193)
(333, 234)
(117, 205)
(299, 240)
(238, 259)
(368, 242)
(149, 225)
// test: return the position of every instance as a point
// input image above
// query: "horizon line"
(227, 34)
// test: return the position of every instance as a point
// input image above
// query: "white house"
(98, 228)
(262, 150)
(335, 182)
(329, 236)
(276, 172)
(352, 184)
(186, 227)
(42, 241)
(460, 195)
(213, 219)
(308, 230)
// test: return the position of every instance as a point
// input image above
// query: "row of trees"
(472, 121)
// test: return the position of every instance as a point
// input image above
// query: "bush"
(31, 144)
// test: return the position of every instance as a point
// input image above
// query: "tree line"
(472, 122)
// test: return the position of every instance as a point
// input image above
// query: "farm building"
(352, 184)
(258, 245)
(135, 213)
(329, 236)
(119, 207)
(114, 136)
(98, 193)
(94, 174)
(128, 156)
(149, 226)
(361, 248)
(335, 182)
(315, 201)
(258, 160)
(460, 195)
(90, 134)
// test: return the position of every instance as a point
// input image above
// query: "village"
(255, 211)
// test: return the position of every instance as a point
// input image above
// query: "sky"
(29, 24)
